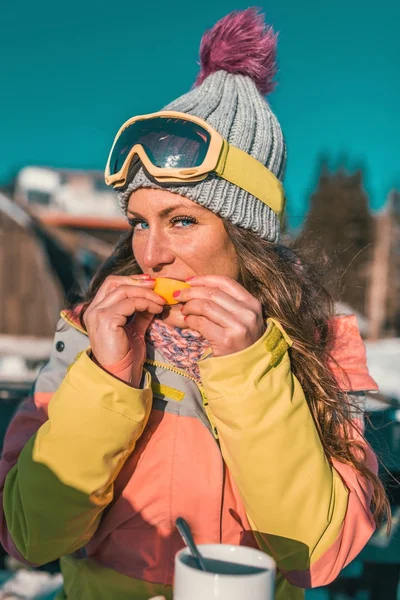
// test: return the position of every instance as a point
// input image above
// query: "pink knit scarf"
(181, 347)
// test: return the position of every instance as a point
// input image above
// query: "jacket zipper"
(201, 389)
(156, 363)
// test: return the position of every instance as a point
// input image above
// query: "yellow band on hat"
(241, 169)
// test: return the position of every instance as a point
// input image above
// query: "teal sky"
(71, 72)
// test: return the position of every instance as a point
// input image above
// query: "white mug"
(240, 573)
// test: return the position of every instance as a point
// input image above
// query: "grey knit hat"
(238, 66)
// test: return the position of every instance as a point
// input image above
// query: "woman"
(238, 408)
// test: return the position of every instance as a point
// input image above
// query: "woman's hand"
(106, 318)
(223, 311)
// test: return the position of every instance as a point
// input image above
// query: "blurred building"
(56, 228)
(30, 293)
(383, 301)
(70, 199)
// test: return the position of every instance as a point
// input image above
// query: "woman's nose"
(157, 251)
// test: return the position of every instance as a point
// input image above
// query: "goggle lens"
(169, 143)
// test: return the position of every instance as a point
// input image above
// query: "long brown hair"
(290, 290)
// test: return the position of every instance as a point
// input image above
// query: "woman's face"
(175, 237)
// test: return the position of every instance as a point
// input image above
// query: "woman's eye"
(134, 222)
(189, 220)
(186, 223)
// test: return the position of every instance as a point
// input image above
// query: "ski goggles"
(176, 147)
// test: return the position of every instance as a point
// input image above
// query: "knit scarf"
(181, 347)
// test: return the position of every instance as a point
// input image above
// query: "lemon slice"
(166, 286)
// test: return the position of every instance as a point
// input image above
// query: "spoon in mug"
(184, 529)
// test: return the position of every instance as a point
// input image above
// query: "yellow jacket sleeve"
(294, 500)
(55, 494)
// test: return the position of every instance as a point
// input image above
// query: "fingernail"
(189, 278)
(176, 294)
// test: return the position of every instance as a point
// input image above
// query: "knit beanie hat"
(237, 58)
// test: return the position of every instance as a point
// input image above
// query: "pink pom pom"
(240, 43)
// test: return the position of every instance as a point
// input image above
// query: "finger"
(113, 282)
(214, 295)
(142, 290)
(225, 284)
(125, 308)
(211, 311)
(140, 322)
(208, 329)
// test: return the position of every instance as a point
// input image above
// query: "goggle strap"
(234, 165)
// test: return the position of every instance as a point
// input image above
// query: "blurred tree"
(340, 226)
